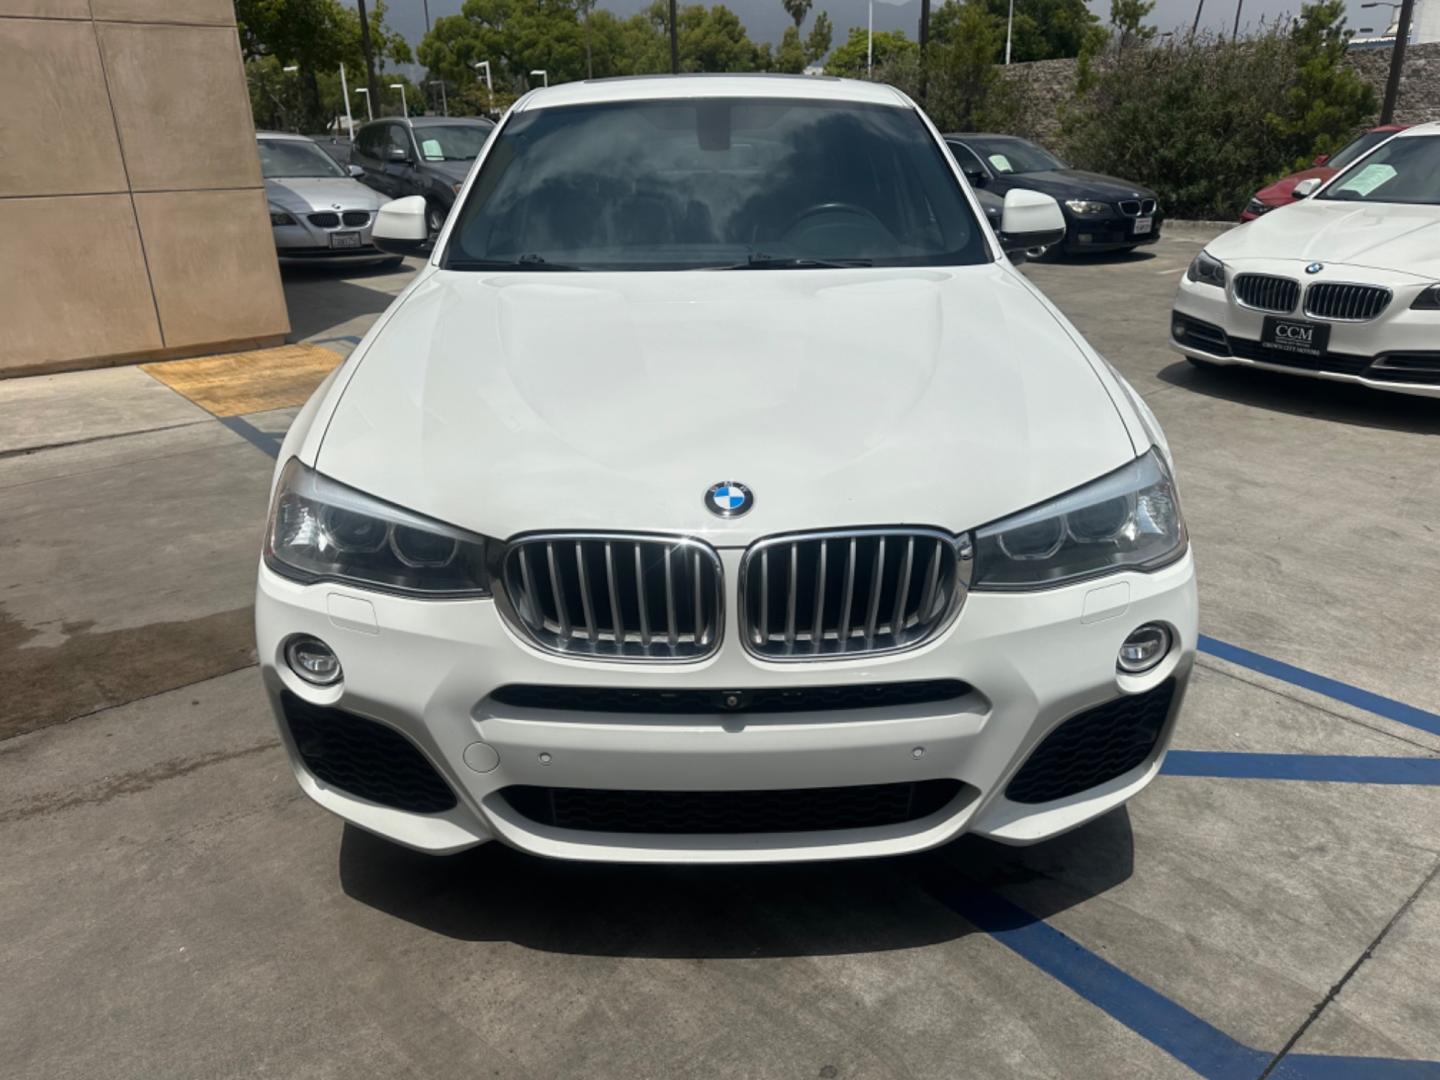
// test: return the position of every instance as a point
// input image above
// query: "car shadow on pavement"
(495, 893)
(1343, 403)
(323, 298)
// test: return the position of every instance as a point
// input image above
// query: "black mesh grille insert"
(365, 758)
(726, 812)
(325, 219)
(604, 699)
(355, 217)
(1094, 746)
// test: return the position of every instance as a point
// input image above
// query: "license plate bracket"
(1295, 337)
(345, 240)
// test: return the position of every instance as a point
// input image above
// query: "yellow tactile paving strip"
(248, 382)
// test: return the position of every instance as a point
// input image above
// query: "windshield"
(451, 142)
(1014, 155)
(1356, 148)
(715, 182)
(280, 158)
(1405, 170)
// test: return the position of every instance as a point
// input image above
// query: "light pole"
(543, 74)
(345, 93)
(489, 86)
(369, 112)
(404, 105)
(1009, 28)
(444, 102)
(870, 41)
(1397, 57)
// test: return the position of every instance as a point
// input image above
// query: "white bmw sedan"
(1343, 285)
(720, 492)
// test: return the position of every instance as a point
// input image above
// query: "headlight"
(1128, 519)
(1255, 206)
(1207, 270)
(323, 531)
(1085, 206)
(280, 217)
(1429, 300)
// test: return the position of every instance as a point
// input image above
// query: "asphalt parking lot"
(172, 906)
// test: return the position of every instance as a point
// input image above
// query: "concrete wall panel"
(73, 281)
(212, 262)
(50, 9)
(56, 130)
(182, 106)
(194, 12)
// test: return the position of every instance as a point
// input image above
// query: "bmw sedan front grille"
(1345, 303)
(1266, 293)
(355, 217)
(325, 219)
(615, 596)
(836, 594)
(1135, 207)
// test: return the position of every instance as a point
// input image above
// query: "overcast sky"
(765, 20)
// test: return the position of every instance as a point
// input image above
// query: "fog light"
(1178, 329)
(1144, 648)
(313, 661)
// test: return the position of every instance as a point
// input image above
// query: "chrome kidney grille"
(838, 594)
(1266, 293)
(1345, 303)
(615, 596)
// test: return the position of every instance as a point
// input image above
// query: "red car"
(1281, 192)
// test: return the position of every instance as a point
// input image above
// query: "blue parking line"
(1328, 768)
(1151, 1015)
(1323, 684)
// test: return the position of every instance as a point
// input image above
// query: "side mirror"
(1306, 188)
(976, 177)
(396, 153)
(356, 171)
(400, 226)
(1030, 220)
(1320, 159)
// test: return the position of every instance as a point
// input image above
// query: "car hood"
(1388, 236)
(1283, 190)
(1078, 183)
(306, 193)
(454, 171)
(509, 402)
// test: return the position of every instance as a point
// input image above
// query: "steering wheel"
(836, 208)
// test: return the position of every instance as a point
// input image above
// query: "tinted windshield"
(1402, 171)
(280, 158)
(715, 182)
(1014, 155)
(1354, 149)
(451, 142)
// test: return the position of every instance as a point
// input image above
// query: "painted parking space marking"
(1325, 768)
(1184, 1036)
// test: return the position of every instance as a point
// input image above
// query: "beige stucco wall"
(133, 221)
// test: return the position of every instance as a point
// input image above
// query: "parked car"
(1101, 212)
(1282, 191)
(319, 211)
(1340, 286)
(720, 492)
(427, 156)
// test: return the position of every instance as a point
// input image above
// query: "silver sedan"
(319, 212)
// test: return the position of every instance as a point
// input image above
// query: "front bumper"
(1108, 232)
(307, 242)
(429, 670)
(1398, 351)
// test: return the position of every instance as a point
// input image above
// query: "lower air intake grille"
(1345, 303)
(1266, 293)
(1094, 746)
(728, 812)
(618, 596)
(605, 699)
(365, 758)
(842, 594)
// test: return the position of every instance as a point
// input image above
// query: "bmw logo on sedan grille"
(1314, 268)
(729, 499)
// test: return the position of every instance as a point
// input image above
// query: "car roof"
(431, 121)
(1432, 128)
(287, 135)
(982, 135)
(680, 87)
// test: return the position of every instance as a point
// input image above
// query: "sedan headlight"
(1085, 207)
(323, 531)
(1207, 270)
(1429, 300)
(280, 217)
(1128, 519)
(1255, 206)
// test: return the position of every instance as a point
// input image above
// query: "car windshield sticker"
(1001, 163)
(432, 150)
(1368, 179)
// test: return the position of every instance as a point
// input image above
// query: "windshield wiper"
(760, 261)
(522, 262)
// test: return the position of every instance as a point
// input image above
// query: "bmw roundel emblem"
(729, 499)
(1314, 268)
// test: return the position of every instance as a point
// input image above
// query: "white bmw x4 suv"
(720, 492)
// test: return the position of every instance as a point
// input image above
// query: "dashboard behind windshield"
(708, 183)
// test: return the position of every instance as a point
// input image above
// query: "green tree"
(891, 47)
(817, 44)
(1042, 30)
(1327, 99)
(790, 57)
(1127, 22)
(965, 90)
(797, 10)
